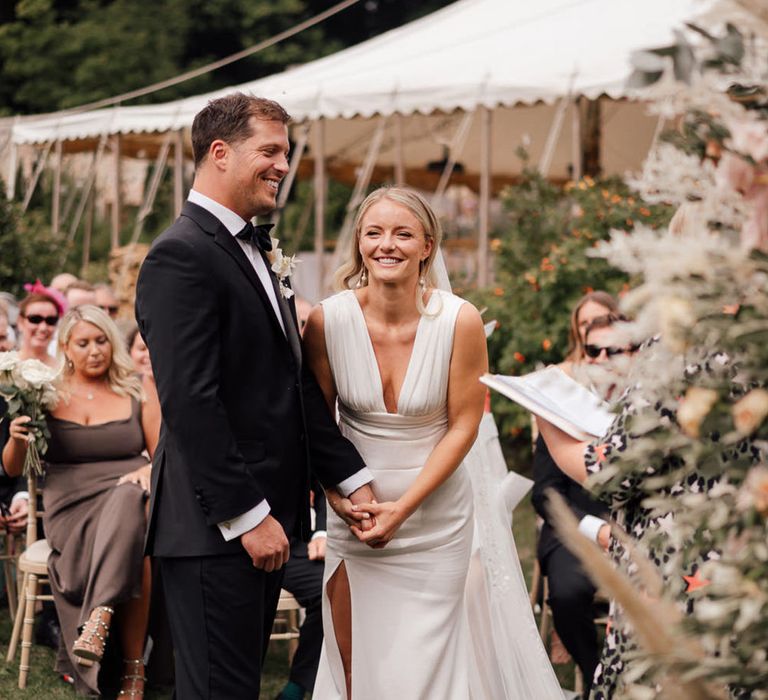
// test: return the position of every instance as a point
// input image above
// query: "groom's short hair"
(229, 118)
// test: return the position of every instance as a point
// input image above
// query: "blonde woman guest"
(97, 483)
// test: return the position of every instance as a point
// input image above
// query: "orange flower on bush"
(498, 291)
(644, 211)
(546, 343)
(519, 357)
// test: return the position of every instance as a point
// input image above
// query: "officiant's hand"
(388, 517)
(345, 507)
(267, 545)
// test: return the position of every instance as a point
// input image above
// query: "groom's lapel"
(223, 238)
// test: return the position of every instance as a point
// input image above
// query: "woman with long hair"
(403, 359)
(97, 484)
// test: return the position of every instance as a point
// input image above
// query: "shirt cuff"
(354, 482)
(590, 525)
(319, 533)
(20, 496)
(242, 523)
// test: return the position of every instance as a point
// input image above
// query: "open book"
(553, 395)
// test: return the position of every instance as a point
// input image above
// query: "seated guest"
(571, 591)
(80, 293)
(61, 281)
(7, 339)
(106, 300)
(303, 579)
(38, 317)
(97, 483)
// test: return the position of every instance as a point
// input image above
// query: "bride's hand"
(388, 517)
(347, 511)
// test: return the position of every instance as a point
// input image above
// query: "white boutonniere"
(282, 266)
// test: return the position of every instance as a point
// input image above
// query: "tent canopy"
(473, 52)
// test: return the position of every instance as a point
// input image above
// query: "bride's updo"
(350, 274)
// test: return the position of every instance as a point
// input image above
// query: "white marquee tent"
(476, 78)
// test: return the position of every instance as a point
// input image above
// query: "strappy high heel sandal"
(135, 674)
(89, 646)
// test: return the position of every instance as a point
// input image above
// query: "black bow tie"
(257, 235)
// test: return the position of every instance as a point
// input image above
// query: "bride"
(403, 359)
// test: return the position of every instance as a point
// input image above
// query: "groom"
(243, 418)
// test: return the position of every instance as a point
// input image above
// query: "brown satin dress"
(95, 528)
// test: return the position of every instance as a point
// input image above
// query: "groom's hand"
(363, 495)
(267, 545)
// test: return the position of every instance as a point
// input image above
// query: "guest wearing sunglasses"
(38, 316)
(106, 300)
(571, 592)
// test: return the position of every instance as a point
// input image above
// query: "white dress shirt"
(234, 223)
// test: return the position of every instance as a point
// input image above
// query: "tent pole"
(545, 162)
(41, 161)
(399, 158)
(485, 196)
(318, 143)
(358, 193)
(178, 173)
(87, 235)
(576, 139)
(149, 198)
(56, 203)
(13, 164)
(455, 149)
(592, 138)
(287, 184)
(84, 197)
(116, 194)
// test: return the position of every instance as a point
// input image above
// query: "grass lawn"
(43, 684)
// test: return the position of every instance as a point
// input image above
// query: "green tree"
(542, 269)
(28, 250)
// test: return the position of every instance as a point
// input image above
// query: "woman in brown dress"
(97, 482)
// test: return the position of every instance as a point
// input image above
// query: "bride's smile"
(393, 243)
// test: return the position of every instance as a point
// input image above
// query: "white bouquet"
(28, 389)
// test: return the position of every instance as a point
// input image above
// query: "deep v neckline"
(374, 357)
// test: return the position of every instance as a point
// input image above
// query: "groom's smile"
(259, 164)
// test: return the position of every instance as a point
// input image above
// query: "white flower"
(282, 266)
(8, 360)
(36, 373)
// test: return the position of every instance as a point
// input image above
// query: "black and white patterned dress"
(626, 499)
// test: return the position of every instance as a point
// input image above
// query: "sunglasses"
(36, 319)
(594, 351)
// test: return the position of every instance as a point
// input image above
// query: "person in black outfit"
(244, 420)
(571, 591)
(304, 580)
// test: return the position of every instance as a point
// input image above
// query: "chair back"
(32, 510)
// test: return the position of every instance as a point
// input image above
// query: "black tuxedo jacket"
(243, 417)
(547, 475)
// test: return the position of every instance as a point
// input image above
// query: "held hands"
(387, 519)
(345, 507)
(141, 476)
(267, 545)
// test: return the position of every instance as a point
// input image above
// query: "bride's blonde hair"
(350, 274)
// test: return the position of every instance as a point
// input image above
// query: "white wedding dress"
(412, 636)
